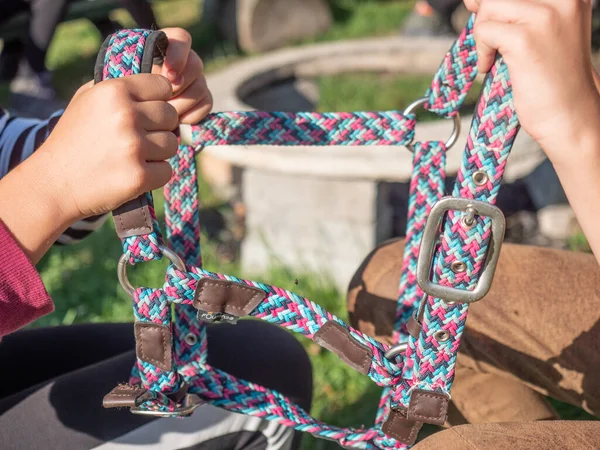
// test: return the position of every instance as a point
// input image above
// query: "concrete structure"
(324, 208)
(260, 25)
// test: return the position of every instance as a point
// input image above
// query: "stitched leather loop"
(338, 340)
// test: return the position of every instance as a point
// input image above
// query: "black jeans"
(53, 380)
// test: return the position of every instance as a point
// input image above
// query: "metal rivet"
(441, 336)
(480, 178)
(458, 267)
(191, 339)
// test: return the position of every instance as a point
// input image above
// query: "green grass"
(82, 278)
(380, 92)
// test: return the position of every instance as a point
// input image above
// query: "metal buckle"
(430, 238)
(189, 404)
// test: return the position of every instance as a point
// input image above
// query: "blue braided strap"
(495, 127)
(305, 128)
(456, 74)
(123, 58)
(288, 310)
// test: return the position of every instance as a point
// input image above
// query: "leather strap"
(222, 296)
(153, 344)
(338, 340)
(124, 396)
(133, 218)
(427, 406)
(413, 327)
(400, 428)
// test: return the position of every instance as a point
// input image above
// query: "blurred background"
(301, 220)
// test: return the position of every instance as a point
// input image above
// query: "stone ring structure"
(325, 207)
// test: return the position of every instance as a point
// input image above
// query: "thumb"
(178, 51)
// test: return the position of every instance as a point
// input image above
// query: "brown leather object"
(227, 297)
(428, 407)
(133, 218)
(523, 271)
(400, 428)
(544, 435)
(338, 340)
(123, 396)
(153, 344)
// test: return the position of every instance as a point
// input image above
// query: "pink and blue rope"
(425, 365)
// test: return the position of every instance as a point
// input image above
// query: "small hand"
(111, 144)
(185, 70)
(546, 45)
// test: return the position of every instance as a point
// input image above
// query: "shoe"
(32, 94)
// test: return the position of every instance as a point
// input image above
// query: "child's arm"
(110, 146)
(546, 46)
(20, 137)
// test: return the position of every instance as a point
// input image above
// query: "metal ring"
(441, 336)
(455, 132)
(191, 339)
(395, 351)
(122, 268)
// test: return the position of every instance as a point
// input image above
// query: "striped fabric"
(19, 138)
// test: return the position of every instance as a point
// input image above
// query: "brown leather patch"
(338, 340)
(400, 428)
(427, 406)
(133, 218)
(153, 344)
(413, 327)
(123, 396)
(227, 297)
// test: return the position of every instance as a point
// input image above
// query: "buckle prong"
(430, 238)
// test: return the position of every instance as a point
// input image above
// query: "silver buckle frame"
(430, 238)
(186, 408)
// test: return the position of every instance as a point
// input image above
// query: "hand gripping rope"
(452, 246)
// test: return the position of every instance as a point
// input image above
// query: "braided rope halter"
(443, 271)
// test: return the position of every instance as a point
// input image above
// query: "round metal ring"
(455, 132)
(442, 336)
(191, 339)
(395, 351)
(122, 268)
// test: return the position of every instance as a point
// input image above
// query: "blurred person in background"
(23, 64)
(432, 18)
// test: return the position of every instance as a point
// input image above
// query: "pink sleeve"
(23, 297)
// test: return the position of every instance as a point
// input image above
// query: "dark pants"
(53, 380)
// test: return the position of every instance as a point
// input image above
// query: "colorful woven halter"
(442, 272)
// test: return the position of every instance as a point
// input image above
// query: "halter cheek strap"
(450, 254)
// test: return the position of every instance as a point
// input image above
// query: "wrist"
(28, 210)
(51, 184)
(576, 143)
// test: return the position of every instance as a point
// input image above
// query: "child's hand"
(184, 69)
(546, 46)
(110, 145)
